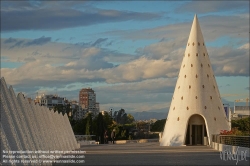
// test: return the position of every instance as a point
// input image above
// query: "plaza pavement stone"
(152, 154)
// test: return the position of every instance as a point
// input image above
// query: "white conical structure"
(196, 111)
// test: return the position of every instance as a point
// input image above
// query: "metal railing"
(242, 141)
(84, 137)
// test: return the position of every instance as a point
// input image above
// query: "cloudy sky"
(128, 52)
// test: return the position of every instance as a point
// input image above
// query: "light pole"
(111, 112)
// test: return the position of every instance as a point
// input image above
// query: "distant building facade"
(241, 112)
(77, 111)
(87, 100)
(97, 106)
(228, 113)
(50, 100)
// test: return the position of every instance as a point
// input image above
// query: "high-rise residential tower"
(87, 99)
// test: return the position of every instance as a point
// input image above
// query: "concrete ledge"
(229, 148)
(88, 143)
(136, 141)
(119, 141)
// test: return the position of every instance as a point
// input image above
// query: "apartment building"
(87, 100)
(50, 100)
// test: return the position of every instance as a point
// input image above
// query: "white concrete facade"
(196, 111)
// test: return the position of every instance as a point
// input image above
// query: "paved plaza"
(153, 154)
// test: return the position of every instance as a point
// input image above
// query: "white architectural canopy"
(196, 111)
(29, 127)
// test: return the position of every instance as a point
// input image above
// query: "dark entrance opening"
(197, 134)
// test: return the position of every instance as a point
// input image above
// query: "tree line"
(97, 125)
(125, 126)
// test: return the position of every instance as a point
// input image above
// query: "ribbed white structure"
(26, 126)
(28, 120)
(21, 123)
(70, 134)
(8, 125)
(196, 99)
(39, 124)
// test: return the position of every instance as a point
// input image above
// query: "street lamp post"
(111, 112)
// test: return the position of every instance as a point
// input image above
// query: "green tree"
(130, 119)
(124, 134)
(141, 125)
(99, 128)
(62, 109)
(121, 117)
(78, 126)
(108, 122)
(88, 124)
(67, 109)
(58, 108)
(242, 124)
(158, 125)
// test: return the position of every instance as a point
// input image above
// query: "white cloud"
(140, 69)
(70, 64)
(228, 61)
(245, 46)
(213, 27)
(158, 85)
(212, 6)
(143, 82)
(146, 95)
(90, 52)
(165, 49)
